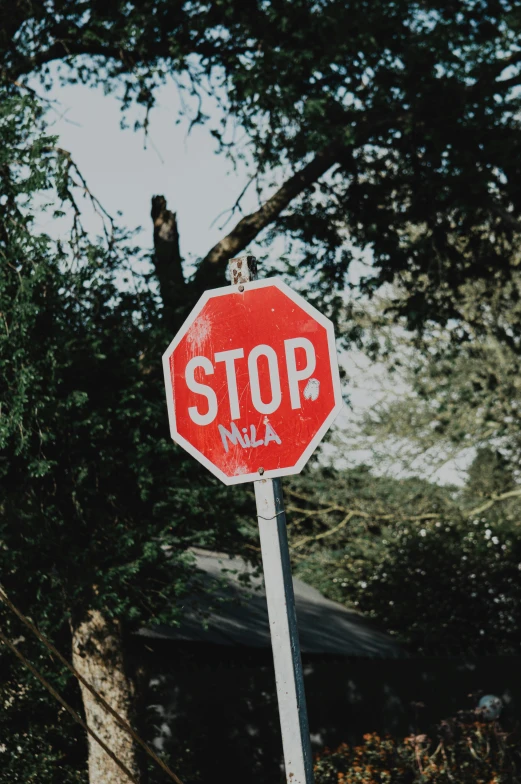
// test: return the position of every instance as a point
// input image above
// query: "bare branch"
(251, 225)
(350, 513)
(230, 212)
(106, 219)
(167, 258)
(493, 500)
(329, 532)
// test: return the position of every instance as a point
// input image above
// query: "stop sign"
(252, 381)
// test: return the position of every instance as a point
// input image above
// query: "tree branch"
(496, 68)
(329, 532)
(212, 266)
(60, 50)
(167, 260)
(66, 41)
(492, 70)
(507, 84)
(350, 513)
(493, 500)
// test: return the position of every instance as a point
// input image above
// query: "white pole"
(281, 605)
(284, 631)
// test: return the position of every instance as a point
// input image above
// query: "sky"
(124, 170)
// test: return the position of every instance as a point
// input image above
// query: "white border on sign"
(319, 435)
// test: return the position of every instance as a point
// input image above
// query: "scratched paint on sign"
(199, 332)
(312, 389)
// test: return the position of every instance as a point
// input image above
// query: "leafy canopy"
(436, 566)
(413, 108)
(97, 504)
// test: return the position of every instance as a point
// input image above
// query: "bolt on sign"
(252, 381)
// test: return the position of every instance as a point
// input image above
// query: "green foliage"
(97, 502)
(419, 103)
(489, 476)
(97, 507)
(460, 384)
(464, 751)
(70, 368)
(446, 587)
(40, 742)
(436, 567)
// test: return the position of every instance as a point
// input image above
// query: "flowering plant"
(461, 752)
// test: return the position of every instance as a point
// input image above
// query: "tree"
(98, 508)
(387, 116)
(380, 117)
(459, 383)
(438, 567)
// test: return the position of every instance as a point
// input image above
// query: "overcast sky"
(124, 170)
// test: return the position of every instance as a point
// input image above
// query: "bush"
(439, 568)
(446, 587)
(462, 752)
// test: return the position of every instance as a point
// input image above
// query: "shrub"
(461, 752)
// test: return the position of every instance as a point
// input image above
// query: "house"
(213, 703)
(212, 708)
(232, 612)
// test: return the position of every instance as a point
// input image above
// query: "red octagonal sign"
(252, 381)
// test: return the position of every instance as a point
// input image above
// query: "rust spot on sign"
(243, 269)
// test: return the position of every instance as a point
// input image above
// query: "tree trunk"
(97, 654)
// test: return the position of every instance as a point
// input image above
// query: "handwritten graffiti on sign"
(252, 381)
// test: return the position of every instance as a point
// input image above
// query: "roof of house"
(233, 612)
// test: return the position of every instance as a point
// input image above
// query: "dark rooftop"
(235, 614)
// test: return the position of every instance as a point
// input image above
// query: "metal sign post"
(284, 632)
(281, 605)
